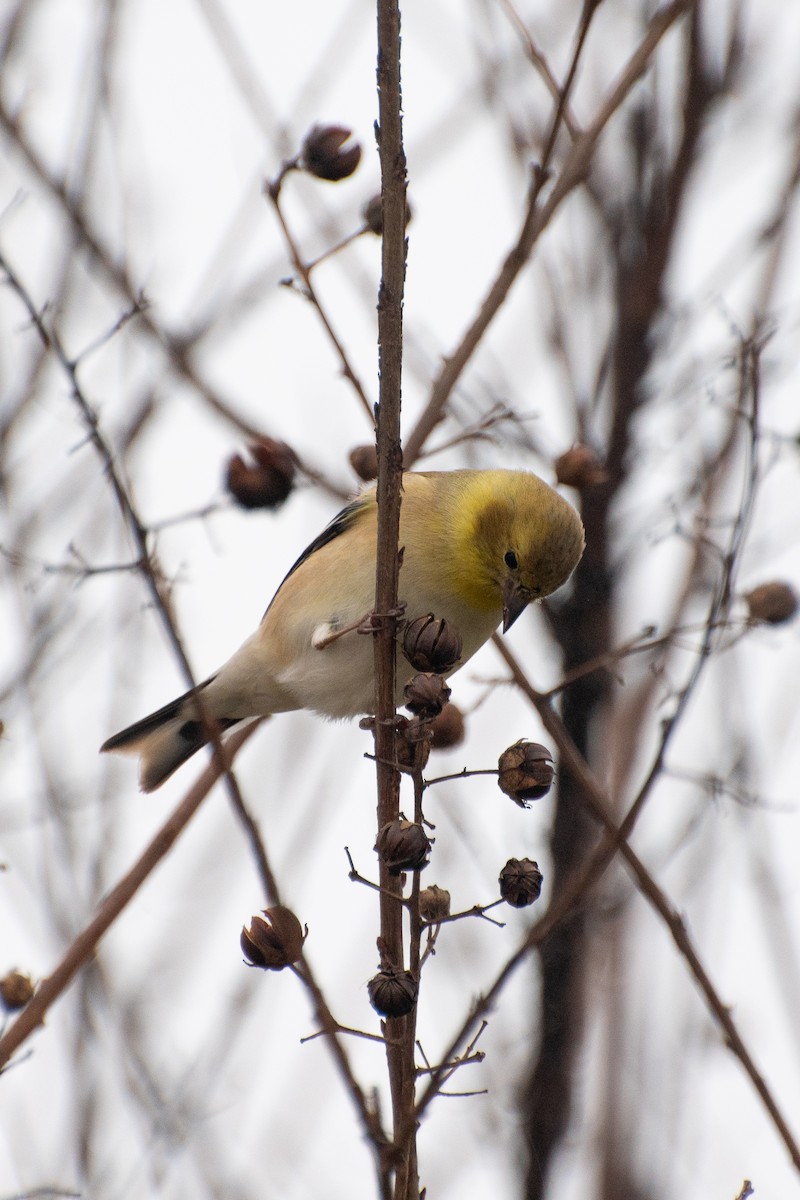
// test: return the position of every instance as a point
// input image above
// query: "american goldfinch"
(477, 548)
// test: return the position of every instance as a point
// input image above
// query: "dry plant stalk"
(400, 1036)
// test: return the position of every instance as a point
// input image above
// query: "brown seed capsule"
(403, 846)
(372, 212)
(413, 743)
(525, 771)
(520, 882)
(580, 468)
(268, 481)
(448, 728)
(426, 695)
(325, 155)
(274, 939)
(431, 645)
(392, 992)
(364, 461)
(434, 903)
(16, 989)
(772, 603)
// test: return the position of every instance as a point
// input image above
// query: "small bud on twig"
(772, 603)
(274, 939)
(520, 882)
(267, 482)
(426, 695)
(448, 728)
(434, 903)
(364, 461)
(525, 771)
(16, 989)
(392, 992)
(431, 645)
(372, 212)
(325, 155)
(403, 846)
(580, 468)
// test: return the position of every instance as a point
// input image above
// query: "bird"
(476, 546)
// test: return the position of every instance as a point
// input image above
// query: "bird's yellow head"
(520, 540)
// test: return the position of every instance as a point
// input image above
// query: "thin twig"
(84, 945)
(148, 569)
(541, 64)
(535, 221)
(177, 350)
(303, 269)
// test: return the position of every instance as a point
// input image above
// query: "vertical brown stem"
(399, 1031)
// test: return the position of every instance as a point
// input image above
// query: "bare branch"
(537, 218)
(83, 947)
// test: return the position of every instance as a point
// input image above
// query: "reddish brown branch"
(84, 945)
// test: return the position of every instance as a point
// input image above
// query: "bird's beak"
(515, 600)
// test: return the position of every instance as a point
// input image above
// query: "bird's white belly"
(338, 679)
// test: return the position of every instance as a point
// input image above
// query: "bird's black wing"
(340, 523)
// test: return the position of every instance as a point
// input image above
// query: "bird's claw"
(374, 622)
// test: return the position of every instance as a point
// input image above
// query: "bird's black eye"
(510, 559)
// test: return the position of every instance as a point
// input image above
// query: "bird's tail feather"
(165, 739)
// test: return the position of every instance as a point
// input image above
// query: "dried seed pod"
(413, 743)
(580, 468)
(268, 481)
(426, 695)
(772, 603)
(525, 772)
(16, 989)
(434, 903)
(412, 755)
(325, 154)
(403, 846)
(447, 729)
(372, 212)
(392, 992)
(431, 645)
(520, 882)
(364, 461)
(274, 939)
